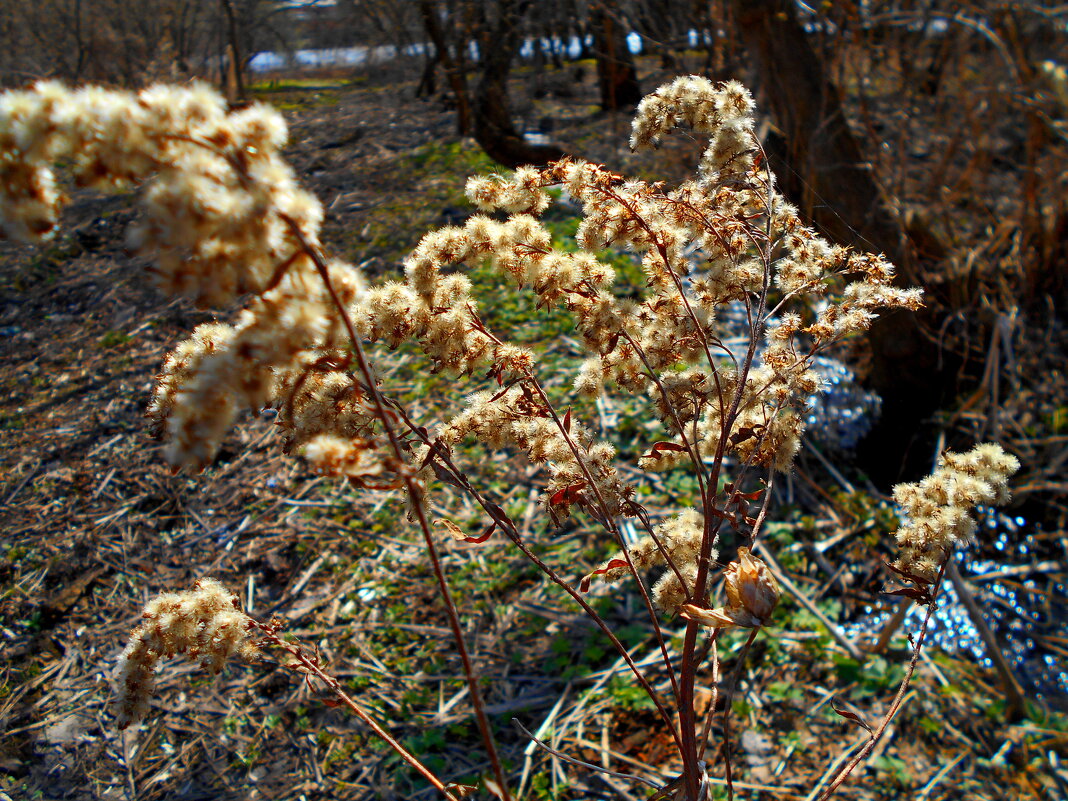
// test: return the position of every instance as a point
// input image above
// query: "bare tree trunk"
(616, 75)
(454, 71)
(495, 28)
(494, 129)
(821, 167)
(233, 50)
(428, 84)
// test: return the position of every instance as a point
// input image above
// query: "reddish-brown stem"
(508, 527)
(415, 492)
(899, 698)
(613, 529)
(706, 730)
(763, 513)
(607, 520)
(687, 717)
(310, 666)
(728, 701)
(694, 448)
(688, 668)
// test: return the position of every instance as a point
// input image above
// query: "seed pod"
(752, 594)
(751, 585)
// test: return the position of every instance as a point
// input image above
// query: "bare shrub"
(223, 216)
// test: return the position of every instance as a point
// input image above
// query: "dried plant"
(939, 507)
(223, 217)
(206, 625)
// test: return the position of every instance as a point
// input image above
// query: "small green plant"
(113, 339)
(627, 696)
(895, 770)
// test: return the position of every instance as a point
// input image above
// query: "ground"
(94, 524)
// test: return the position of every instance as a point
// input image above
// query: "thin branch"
(311, 666)
(613, 529)
(415, 492)
(508, 527)
(713, 702)
(732, 684)
(843, 772)
(588, 765)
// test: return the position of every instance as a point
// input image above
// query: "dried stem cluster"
(223, 216)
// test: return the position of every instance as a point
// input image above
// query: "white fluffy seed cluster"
(364, 462)
(939, 508)
(437, 310)
(205, 625)
(514, 418)
(214, 231)
(221, 215)
(725, 112)
(698, 247)
(323, 400)
(733, 202)
(680, 541)
(222, 369)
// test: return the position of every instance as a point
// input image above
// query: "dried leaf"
(445, 476)
(721, 617)
(911, 592)
(853, 716)
(749, 496)
(497, 512)
(745, 433)
(654, 452)
(362, 483)
(461, 790)
(485, 535)
(457, 533)
(584, 585)
(500, 394)
(567, 494)
(919, 580)
(454, 530)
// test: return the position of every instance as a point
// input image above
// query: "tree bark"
(493, 127)
(617, 78)
(236, 66)
(821, 167)
(453, 71)
(484, 114)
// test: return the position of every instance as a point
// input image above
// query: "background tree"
(492, 32)
(838, 167)
(616, 76)
(823, 169)
(118, 42)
